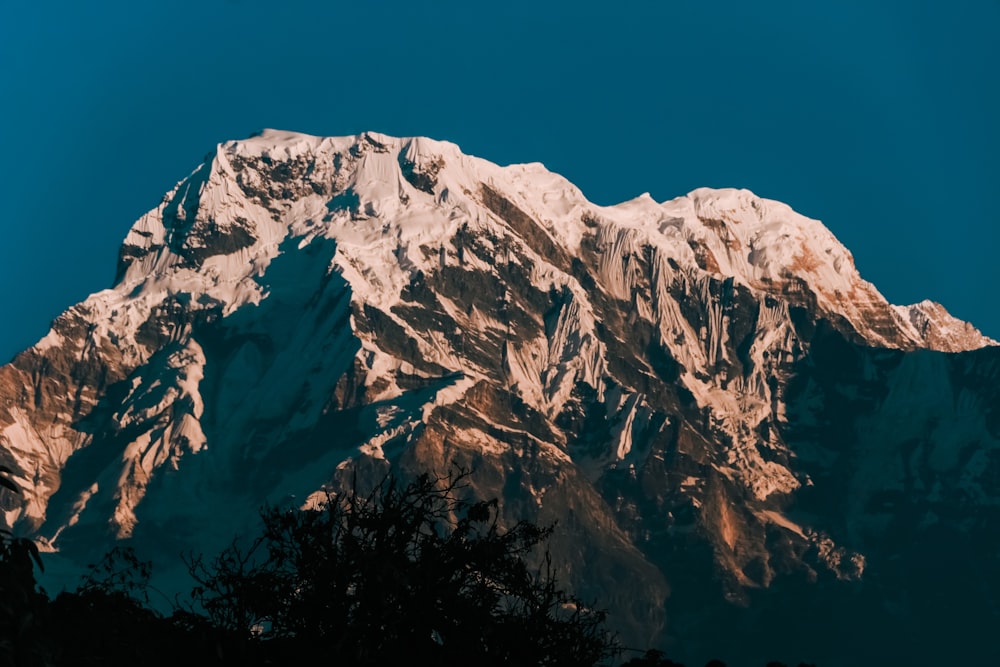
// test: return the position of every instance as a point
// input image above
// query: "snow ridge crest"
(225, 222)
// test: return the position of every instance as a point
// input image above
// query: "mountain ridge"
(656, 376)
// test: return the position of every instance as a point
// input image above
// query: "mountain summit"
(720, 412)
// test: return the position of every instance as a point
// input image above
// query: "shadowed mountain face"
(750, 453)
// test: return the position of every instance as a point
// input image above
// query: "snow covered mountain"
(725, 418)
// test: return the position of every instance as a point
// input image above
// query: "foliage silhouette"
(401, 575)
(107, 620)
(22, 604)
(404, 573)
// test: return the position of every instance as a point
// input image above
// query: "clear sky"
(880, 118)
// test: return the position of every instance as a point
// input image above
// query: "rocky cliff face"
(724, 418)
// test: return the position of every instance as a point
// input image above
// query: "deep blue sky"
(881, 119)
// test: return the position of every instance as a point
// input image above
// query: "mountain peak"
(405, 194)
(705, 386)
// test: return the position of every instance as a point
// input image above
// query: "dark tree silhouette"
(408, 573)
(107, 619)
(22, 605)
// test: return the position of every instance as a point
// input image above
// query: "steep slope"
(704, 392)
